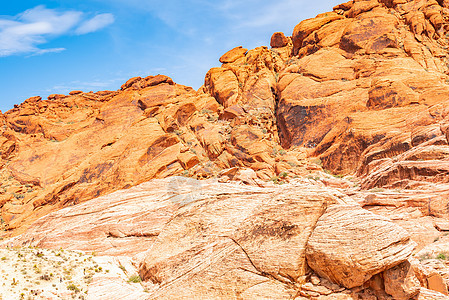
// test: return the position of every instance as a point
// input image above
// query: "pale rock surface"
(205, 239)
(339, 247)
(426, 294)
(255, 236)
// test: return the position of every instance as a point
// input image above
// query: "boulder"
(278, 40)
(401, 282)
(349, 245)
(306, 27)
(77, 92)
(233, 54)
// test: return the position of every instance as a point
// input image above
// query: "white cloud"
(22, 34)
(96, 23)
(58, 22)
(49, 50)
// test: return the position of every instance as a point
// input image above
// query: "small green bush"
(441, 256)
(18, 196)
(135, 279)
(73, 287)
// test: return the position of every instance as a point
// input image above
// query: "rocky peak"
(359, 87)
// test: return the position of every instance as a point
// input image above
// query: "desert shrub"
(73, 287)
(134, 278)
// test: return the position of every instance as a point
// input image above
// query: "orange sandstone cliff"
(361, 92)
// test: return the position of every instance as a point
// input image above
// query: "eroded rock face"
(60, 152)
(363, 87)
(267, 234)
(401, 281)
(361, 90)
(359, 86)
(205, 239)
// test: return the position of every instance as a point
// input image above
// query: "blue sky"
(56, 46)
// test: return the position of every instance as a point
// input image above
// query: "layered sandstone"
(358, 91)
(363, 88)
(205, 239)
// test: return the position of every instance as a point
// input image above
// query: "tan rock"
(122, 223)
(344, 6)
(247, 176)
(188, 160)
(333, 250)
(306, 27)
(232, 55)
(75, 92)
(232, 112)
(436, 283)
(252, 224)
(223, 85)
(130, 82)
(378, 37)
(315, 280)
(34, 99)
(321, 290)
(442, 224)
(361, 7)
(401, 282)
(56, 96)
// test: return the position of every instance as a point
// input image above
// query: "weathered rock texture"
(362, 90)
(377, 106)
(204, 239)
(363, 87)
(342, 249)
(61, 152)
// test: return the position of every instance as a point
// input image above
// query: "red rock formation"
(278, 40)
(362, 87)
(361, 90)
(69, 149)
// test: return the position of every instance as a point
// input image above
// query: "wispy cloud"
(257, 14)
(96, 84)
(45, 51)
(96, 23)
(24, 33)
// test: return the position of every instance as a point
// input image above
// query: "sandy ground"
(34, 273)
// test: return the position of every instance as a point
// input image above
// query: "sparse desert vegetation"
(34, 273)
